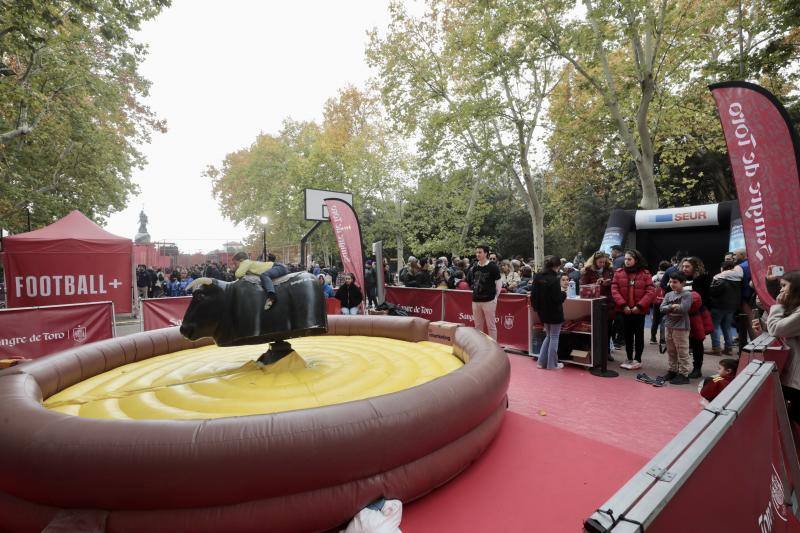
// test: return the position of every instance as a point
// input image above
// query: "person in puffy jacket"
(547, 297)
(633, 292)
(327, 290)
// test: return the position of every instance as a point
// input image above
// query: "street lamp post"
(264, 221)
(28, 210)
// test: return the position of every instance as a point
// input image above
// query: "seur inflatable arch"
(705, 231)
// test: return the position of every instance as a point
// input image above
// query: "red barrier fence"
(160, 313)
(512, 316)
(750, 488)
(424, 303)
(31, 332)
(755, 485)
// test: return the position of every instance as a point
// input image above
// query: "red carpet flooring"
(568, 442)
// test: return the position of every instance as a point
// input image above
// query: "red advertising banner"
(512, 316)
(763, 149)
(348, 237)
(754, 478)
(424, 303)
(36, 331)
(160, 313)
(458, 308)
(34, 280)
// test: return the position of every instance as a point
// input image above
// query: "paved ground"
(127, 325)
(656, 364)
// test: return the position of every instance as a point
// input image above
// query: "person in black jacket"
(371, 283)
(725, 298)
(350, 295)
(547, 297)
(423, 277)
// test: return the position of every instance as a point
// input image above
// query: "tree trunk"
(649, 194)
(468, 217)
(399, 236)
(400, 251)
(537, 225)
(641, 153)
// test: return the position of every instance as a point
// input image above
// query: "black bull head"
(233, 313)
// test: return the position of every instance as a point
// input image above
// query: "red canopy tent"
(72, 260)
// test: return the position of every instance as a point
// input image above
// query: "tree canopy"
(523, 124)
(352, 150)
(71, 111)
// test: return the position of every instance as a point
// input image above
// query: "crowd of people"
(158, 282)
(685, 300)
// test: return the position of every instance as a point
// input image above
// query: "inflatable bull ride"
(233, 313)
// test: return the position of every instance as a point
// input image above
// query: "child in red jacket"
(713, 386)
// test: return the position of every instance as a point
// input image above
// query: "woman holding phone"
(784, 321)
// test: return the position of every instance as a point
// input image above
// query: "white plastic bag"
(387, 520)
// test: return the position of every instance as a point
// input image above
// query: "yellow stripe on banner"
(214, 382)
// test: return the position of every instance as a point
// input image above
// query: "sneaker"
(658, 382)
(662, 347)
(680, 379)
(713, 351)
(560, 365)
(653, 341)
(636, 365)
(727, 351)
(669, 375)
(272, 299)
(696, 373)
(644, 378)
(627, 364)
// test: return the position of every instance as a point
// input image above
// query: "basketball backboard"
(315, 209)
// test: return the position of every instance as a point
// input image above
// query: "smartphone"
(777, 271)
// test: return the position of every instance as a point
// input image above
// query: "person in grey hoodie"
(675, 312)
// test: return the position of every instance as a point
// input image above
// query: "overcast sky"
(222, 72)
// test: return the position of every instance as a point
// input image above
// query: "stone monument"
(142, 237)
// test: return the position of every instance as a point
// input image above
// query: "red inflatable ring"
(304, 470)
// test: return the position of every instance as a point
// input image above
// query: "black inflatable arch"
(706, 231)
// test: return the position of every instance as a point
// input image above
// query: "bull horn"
(199, 281)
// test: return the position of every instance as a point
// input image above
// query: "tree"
(472, 85)
(625, 51)
(437, 212)
(70, 109)
(352, 150)
(593, 173)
